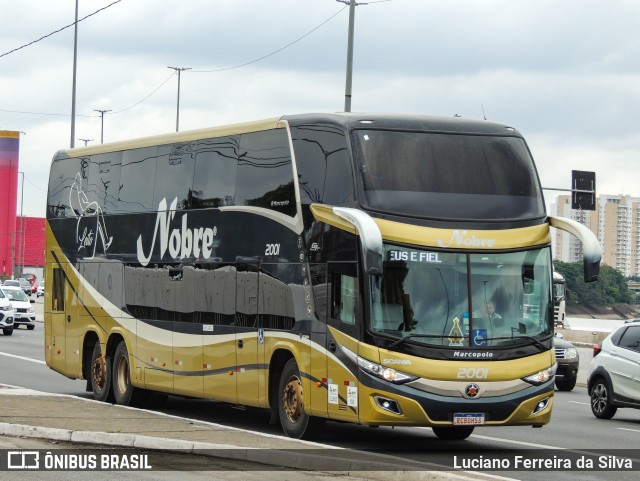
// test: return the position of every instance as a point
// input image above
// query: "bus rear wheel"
(296, 423)
(123, 391)
(453, 433)
(100, 375)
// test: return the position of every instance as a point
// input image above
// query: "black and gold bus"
(375, 269)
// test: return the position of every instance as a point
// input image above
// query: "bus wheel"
(124, 392)
(296, 423)
(100, 375)
(453, 434)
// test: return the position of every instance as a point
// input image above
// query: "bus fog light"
(541, 406)
(388, 404)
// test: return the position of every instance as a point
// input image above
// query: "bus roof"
(344, 120)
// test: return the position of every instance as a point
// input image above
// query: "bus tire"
(453, 433)
(123, 391)
(296, 423)
(101, 375)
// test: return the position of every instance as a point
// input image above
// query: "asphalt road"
(573, 426)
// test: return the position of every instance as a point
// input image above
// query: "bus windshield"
(474, 300)
(447, 176)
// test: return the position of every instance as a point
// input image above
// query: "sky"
(566, 73)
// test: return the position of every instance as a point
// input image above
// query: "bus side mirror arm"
(591, 252)
(370, 237)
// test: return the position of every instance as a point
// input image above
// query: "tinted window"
(174, 173)
(631, 339)
(215, 178)
(265, 175)
(62, 177)
(474, 176)
(323, 164)
(103, 180)
(137, 176)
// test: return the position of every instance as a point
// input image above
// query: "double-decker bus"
(377, 269)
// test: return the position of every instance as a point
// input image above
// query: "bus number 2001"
(272, 250)
(473, 373)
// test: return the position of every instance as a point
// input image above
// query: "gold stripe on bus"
(185, 136)
(444, 238)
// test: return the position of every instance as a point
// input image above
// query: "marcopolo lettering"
(473, 355)
(181, 242)
(461, 238)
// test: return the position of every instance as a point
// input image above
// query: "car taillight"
(596, 349)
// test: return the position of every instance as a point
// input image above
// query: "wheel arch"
(598, 373)
(278, 360)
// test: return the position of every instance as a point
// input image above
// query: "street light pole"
(73, 88)
(179, 70)
(102, 112)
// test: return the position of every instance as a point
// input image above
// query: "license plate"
(466, 419)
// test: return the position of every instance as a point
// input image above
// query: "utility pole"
(179, 70)
(85, 141)
(347, 89)
(73, 88)
(102, 112)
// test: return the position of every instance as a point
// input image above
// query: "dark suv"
(614, 381)
(568, 363)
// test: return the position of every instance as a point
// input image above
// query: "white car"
(40, 290)
(6, 315)
(614, 382)
(25, 314)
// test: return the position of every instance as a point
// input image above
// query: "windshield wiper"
(402, 339)
(535, 342)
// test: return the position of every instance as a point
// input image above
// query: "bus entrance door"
(247, 333)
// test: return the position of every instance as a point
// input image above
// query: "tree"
(611, 287)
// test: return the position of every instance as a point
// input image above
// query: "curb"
(285, 459)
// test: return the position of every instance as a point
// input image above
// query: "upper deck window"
(447, 176)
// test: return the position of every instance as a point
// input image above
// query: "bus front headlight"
(382, 372)
(542, 376)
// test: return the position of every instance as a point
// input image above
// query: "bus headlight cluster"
(386, 373)
(542, 376)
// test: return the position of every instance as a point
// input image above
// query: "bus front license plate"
(467, 419)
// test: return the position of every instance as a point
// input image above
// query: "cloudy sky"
(565, 73)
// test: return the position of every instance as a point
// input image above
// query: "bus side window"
(343, 287)
(174, 173)
(57, 293)
(214, 181)
(137, 179)
(265, 174)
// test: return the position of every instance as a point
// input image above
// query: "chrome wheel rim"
(599, 398)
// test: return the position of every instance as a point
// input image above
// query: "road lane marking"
(22, 357)
(627, 429)
(578, 402)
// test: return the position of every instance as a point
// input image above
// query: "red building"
(32, 244)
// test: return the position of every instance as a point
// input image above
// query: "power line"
(173, 73)
(57, 31)
(275, 51)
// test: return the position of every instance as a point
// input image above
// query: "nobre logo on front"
(460, 238)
